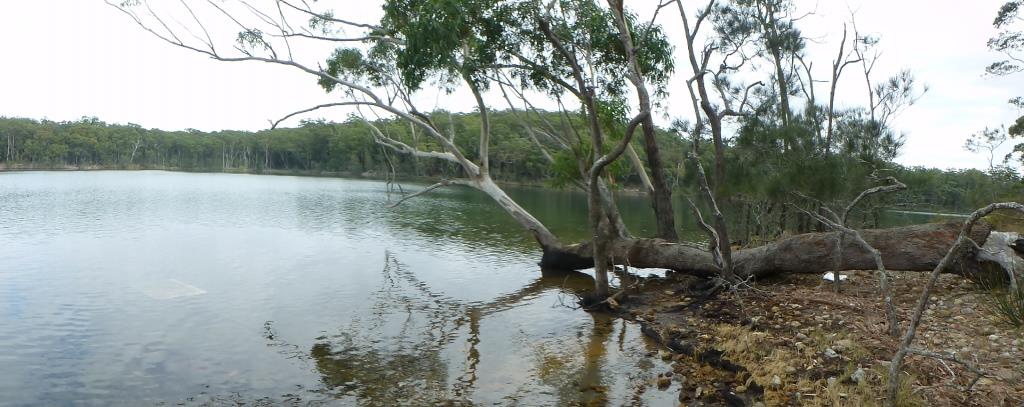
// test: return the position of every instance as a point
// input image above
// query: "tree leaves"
(1008, 41)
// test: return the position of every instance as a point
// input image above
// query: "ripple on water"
(311, 289)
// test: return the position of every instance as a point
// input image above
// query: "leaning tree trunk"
(547, 240)
(911, 248)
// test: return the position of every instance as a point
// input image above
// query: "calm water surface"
(148, 288)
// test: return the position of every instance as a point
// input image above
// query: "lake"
(163, 288)
(152, 288)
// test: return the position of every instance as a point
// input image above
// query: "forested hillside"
(349, 149)
(314, 148)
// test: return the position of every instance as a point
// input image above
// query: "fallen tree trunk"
(911, 248)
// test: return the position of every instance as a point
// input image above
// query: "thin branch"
(712, 235)
(606, 159)
(330, 18)
(401, 147)
(341, 39)
(883, 278)
(526, 125)
(895, 185)
(922, 302)
(952, 358)
(426, 190)
(721, 231)
(317, 107)
(209, 40)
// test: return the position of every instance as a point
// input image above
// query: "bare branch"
(317, 107)
(952, 358)
(209, 40)
(363, 38)
(401, 147)
(606, 159)
(426, 190)
(922, 302)
(883, 277)
(526, 125)
(721, 232)
(331, 18)
(701, 15)
(895, 185)
(712, 235)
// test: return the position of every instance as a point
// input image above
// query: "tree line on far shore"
(318, 147)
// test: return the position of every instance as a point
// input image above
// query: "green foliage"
(343, 63)
(1009, 40)
(1003, 301)
(316, 146)
(251, 39)
(766, 18)
(1008, 305)
(1016, 131)
(768, 160)
(565, 170)
(1007, 13)
(958, 190)
(585, 27)
(1017, 128)
(450, 37)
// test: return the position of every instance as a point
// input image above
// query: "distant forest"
(349, 149)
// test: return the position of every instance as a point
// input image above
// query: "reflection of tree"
(577, 380)
(595, 353)
(397, 355)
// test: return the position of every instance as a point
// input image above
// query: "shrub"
(1007, 304)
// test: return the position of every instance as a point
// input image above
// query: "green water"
(565, 213)
(160, 288)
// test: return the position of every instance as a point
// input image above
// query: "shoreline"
(370, 175)
(794, 341)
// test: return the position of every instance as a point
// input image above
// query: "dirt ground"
(791, 340)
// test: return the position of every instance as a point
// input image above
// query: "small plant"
(988, 277)
(905, 395)
(1007, 304)
(1003, 300)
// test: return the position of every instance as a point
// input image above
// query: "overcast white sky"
(64, 59)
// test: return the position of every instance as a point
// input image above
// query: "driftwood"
(911, 248)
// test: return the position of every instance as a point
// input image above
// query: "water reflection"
(460, 313)
(421, 347)
(470, 218)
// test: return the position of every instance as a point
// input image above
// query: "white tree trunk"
(544, 237)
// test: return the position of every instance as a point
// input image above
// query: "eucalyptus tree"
(1009, 41)
(573, 51)
(377, 70)
(448, 45)
(986, 142)
(650, 61)
(725, 48)
(16, 132)
(579, 48)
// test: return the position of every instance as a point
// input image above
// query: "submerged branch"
(426, 190)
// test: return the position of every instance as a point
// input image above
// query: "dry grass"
(767, 358)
